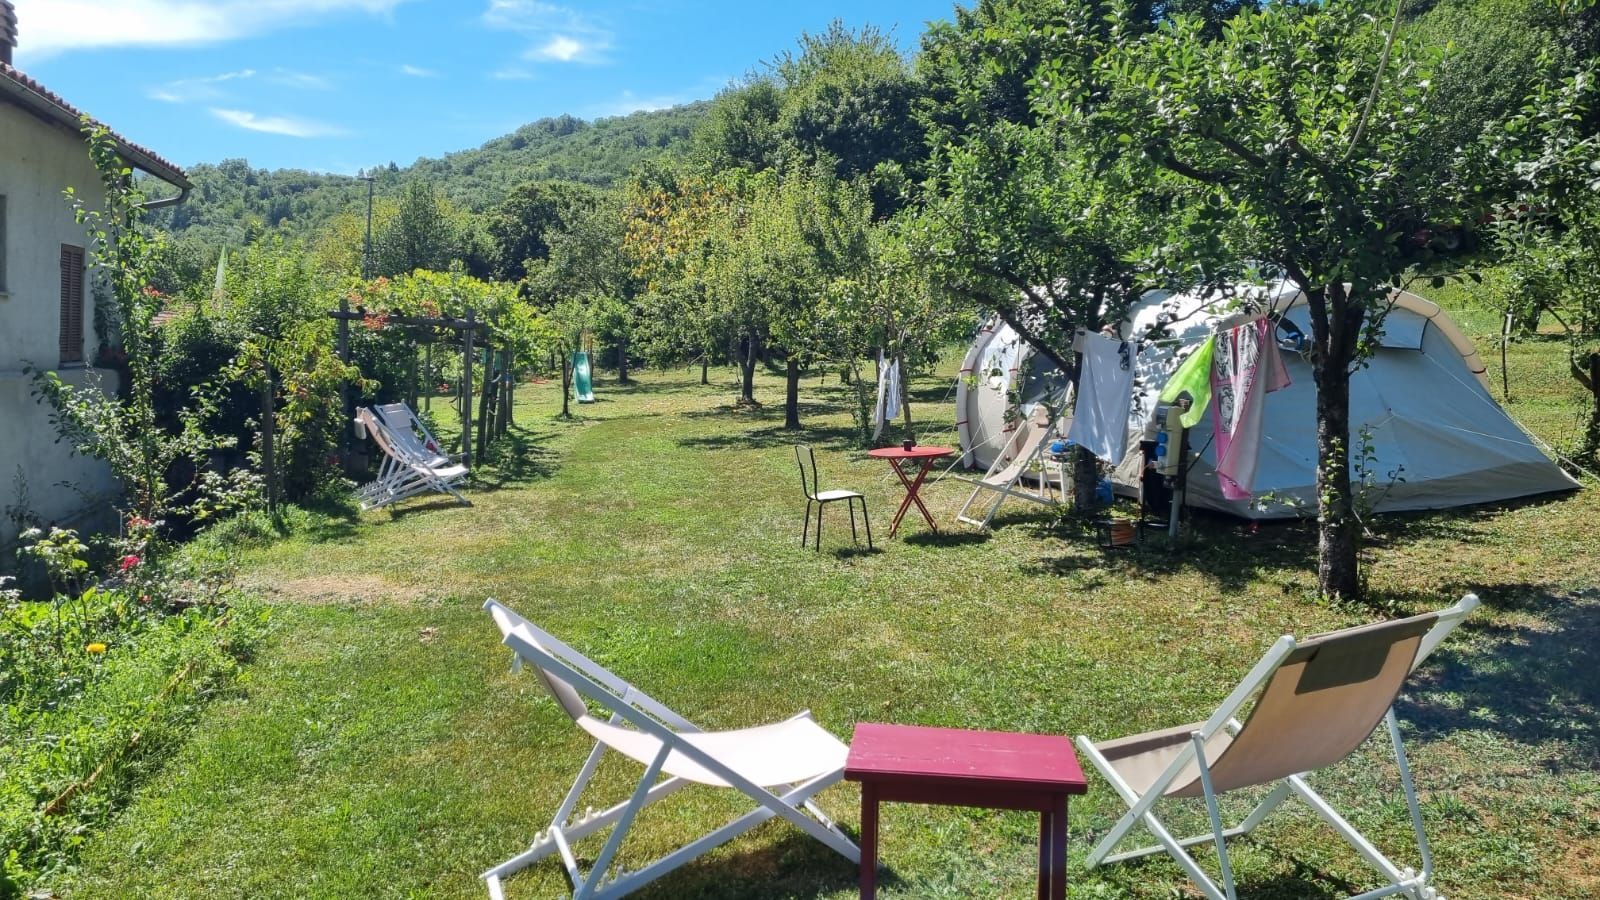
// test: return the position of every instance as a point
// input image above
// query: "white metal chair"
(1025, 447)
(807, 460)
(779, 767)
(1317, 700)
(412, 464)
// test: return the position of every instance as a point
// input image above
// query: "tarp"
(1437, 436)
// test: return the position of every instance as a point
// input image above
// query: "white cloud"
(557, 33)
(49, 27)
(190, 90)
(300, 80)
(213, 87)
(288, 126)
(560, 48)
(630, 102)
(418, 71)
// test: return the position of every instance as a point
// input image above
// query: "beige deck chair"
(779, 767)
(1316, 701)
(408, 467)
(1026, 445)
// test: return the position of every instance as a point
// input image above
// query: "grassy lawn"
(379, 746)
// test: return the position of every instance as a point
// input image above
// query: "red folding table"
(953, 767)
(926, 456)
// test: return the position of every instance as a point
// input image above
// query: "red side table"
(953, 767)
(925, 457)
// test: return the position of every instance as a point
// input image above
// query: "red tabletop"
(918, 452)
(961, 758)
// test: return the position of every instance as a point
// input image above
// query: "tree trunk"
(905, 399)
(1338, 565)
(1591, 438)
(622, 359)
(566, 386)
(705, 367)
(486, 404)
(791, 395)
(747, 371)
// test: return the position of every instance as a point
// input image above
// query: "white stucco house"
(47, 303)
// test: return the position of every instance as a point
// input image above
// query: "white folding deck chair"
(412, 433)
(1317, 701)
(409, 466)
(1025, 446)
(780, 767)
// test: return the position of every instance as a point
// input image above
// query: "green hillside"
(230, 198)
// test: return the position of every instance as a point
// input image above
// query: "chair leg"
(851, 502)
(868, 522)
(805, 530)
(1223, 860)
(820, 508)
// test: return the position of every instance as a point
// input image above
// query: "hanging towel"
(1245, 368)
(888, 405)
(1193, 378)
(1105, 397)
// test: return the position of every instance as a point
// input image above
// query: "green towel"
(1193, 377)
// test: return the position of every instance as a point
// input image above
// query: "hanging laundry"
(1105, 395)
(1246, 367)
(1193, 378)
(888, 405)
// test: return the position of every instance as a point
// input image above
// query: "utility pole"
(366, 255)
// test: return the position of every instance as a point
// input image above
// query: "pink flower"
(128, 562)
(138, 522)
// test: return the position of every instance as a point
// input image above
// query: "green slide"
(581, 383)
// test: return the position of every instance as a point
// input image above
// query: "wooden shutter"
(71, 304)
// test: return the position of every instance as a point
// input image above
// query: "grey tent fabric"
(1439, 437)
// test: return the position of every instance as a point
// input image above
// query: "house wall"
(37, 162)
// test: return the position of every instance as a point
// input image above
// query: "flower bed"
(96, 683)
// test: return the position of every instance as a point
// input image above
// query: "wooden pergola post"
(466, 389)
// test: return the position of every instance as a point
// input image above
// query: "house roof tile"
(25, 91)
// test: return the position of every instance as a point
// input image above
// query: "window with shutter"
(71, 304)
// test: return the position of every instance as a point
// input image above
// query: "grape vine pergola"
(475, 338)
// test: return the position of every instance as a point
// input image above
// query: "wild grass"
(378, 746)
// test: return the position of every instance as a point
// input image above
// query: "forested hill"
(230, 199)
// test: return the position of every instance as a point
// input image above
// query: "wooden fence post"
(347, 429)
(466, 390)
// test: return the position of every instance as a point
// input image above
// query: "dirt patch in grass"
(344, 588)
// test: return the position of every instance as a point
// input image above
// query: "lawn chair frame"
(628, 704)
(1414, 883)
(404, 472)
(1022, 460)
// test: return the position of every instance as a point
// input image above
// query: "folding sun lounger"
(412, 462)
(1317, 701)
(1025, 446)
(779, 767)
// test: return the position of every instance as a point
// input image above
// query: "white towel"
(1105, 397)
(888, 405)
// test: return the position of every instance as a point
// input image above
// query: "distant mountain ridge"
(231, 201)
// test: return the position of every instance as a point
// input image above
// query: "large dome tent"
(1438, 439)
(1000, 371)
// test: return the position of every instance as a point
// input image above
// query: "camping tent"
(1438, 438)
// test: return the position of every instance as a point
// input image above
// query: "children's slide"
(582, 384)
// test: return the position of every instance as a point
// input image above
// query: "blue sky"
(336, 85)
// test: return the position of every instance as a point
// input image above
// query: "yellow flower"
(96, 648)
